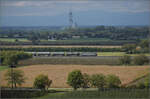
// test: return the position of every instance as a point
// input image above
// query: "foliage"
(75, 79)
(140, 85)
(42, 82)
(98, 80)
(125, 60)
(140, 59)
(129, 48)
(109, 32)
(12, 57)
(15, 77)
(147, 82)
(86, 81)
(141, 47)
(112, 81)
(144, 44)
(58, 49)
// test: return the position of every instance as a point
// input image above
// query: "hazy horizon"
(85, 12)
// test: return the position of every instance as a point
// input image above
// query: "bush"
(98, 80)
(126, 60)
(140, 60)
(75, 79)
(112, 81)
(42, 82)
(147, 82)
(129, 48)
(144, 44)
(140, 85)
(86, 81)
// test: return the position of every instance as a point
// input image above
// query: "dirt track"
(58, 73)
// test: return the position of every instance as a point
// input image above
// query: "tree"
(112, 81)
(129, 48)
(140, 59)
(42, 82)
(75, 79)
(12, 57)
(86, 81)
(98, 80)
(126, 60)
(16, 40)
(15, 77)
(144, 44)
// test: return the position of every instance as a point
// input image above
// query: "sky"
(85, 12)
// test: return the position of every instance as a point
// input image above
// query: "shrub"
(42, 82)
(126, 60)
(86, 81)
(75, 79)
(140, 85)
(144, 44)
(112, 81)
(98, 80)
(140, 60)
(147, 82)
(129, 48)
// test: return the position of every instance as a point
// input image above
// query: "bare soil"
(58, 73)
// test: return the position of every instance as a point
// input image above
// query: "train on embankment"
(49, 54)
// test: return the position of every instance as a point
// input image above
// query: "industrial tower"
(72, 24)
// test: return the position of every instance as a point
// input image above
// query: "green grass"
(111, 53)
(70, 61)
(13, 39)
(117, 54)
(3, 68)
(111, 93)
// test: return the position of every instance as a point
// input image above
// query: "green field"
(3, 68)
(117, 54)
(80, 41)
(13, 39)
(70, 60)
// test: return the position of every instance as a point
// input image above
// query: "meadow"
(60, 46)
(107, 94)
(104, 60)
(14, 40)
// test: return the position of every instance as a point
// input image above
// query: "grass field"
(71, 60)
(108, 94)
(3, 68)
(117, 54)
(13, 39)
(61, 46)
(58, 73)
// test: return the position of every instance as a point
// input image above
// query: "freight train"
(48, 54)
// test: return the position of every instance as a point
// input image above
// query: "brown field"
(61, 46)
(58, 73)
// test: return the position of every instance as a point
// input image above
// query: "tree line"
(12, 57)
(109, 32)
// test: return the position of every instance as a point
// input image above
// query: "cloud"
(52, 8)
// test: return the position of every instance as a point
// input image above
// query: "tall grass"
(71, 60)
(107, 94)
